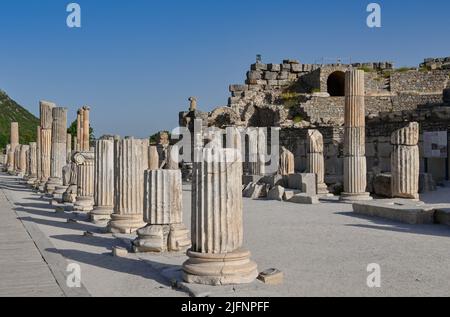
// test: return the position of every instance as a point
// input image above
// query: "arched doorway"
(336, 84)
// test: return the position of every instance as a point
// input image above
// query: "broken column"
(68, 148)
(85, 181)
(257, 149)
(163, 214)
(86, 128)
(153, 158)
(287, 162)
(103, 180)
(58, 150)
(129, 165)
(38, 157)
(355, 166)
(315, 160)
(32, 163)
(405, 162)
(217, 256)
(70, 194)
(79, 136)
(14, 142)
(22, 167)
(46, 109)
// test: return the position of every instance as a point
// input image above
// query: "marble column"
(153, 158)
(38, 157)
(405, 162)
(355, 166)
(14, 142)
(217, 256)
(129, 167)
(103, 180)
(79, 136)
(6, 158)
(257, 149)
(32, 164)
(163, 214)
(59, 149)
(86, 128)
(46, 110)
(22, 167)
(70, 195)
(17, 159)
(287, 162)
(315, 160)
(85, 181)
(68, 148)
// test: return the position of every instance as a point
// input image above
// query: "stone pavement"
(323, 250)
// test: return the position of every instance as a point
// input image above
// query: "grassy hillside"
(10, 111)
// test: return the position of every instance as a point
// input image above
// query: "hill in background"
(11, 111)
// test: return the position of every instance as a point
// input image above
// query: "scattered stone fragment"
(119, 252)
(271, 277)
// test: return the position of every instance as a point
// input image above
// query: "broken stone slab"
(288, 194)
(304, 199)
(247, 179)
(119, 252)
(255, 191)
(276, 193)
(382, 185)
(402, 210)
(271, 277)
(272, 180)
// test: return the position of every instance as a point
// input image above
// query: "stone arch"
(336, 84)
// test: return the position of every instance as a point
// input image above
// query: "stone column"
(22, 167)
(129, 167)
(38, 157)
(59, 149)
(163, 214)
(79, 136)
(257, 149)
(6, 159)
(86, 128)
(355, 166)
(153, 158)
(405, 162)
(103, 180)
(32, 163)
(68, 148)
(287, 162)
(315, 160)
(85, 181)
(17, 159)
(70, 194)
(217, 256)
(14, 142)
(46, 109)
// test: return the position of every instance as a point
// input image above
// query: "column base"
(162, 238)
(31, 181)
(84, 204)
(219, 269)
(354, 197)
(51, 185)
(322, 190)
(101, 214)
(70, 195)
(125, 224)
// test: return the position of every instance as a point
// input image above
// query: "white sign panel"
(435, 144)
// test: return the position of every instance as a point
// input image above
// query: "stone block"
(283, 75)
(296, 68)
(120, 252)
(272, 180)
(289, 194)
(274, 67)
(234, 88)
(442, 216)
(384, 149)
(382, 185)
(247, 179)
(426, 183)
(286, 67)
(446, 95)
(307, 183)
(271, 277)
(276, 193)
(402, 210)
(254, 75)
(254, 191)
(304, 199)
(259, 66)
(272, 82)
(270, 75)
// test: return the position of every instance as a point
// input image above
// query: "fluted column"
(257, 149)
(38, 157)
(32, 163)
(153, 158)
(405, 162)
(130, 162)
(85, 181)
(315, 160)
(86, 128)
(216, 256)
(59, 148)
(68, 148)
(46, 110)
(14, 142)
(103, 180)
(287, 162)
(79, 136)
(163, 214)
(22, 167)
(355, 166)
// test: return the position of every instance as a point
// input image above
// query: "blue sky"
(136, 62)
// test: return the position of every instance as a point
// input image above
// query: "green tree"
(73, 131)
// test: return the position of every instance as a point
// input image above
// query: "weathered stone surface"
(315, 160)
(153, 158)
(304, 199)
(287, 162)
(130, 162)
(85, 181)
(257, 151)
(216, 256)
(276, 193)
(32, 163)
(254, 191)
(103, 180)
(426, 183)
(405, 162)
(14, 142)
(355, 166)
(70, 194)
(58, 152)
(305, 182)
(401, 210)
(272, 180)
(382, 185)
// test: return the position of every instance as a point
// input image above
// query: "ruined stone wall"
(419, 81)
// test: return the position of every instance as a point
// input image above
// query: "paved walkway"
(23, 271)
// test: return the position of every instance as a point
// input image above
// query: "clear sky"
(136, 62)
